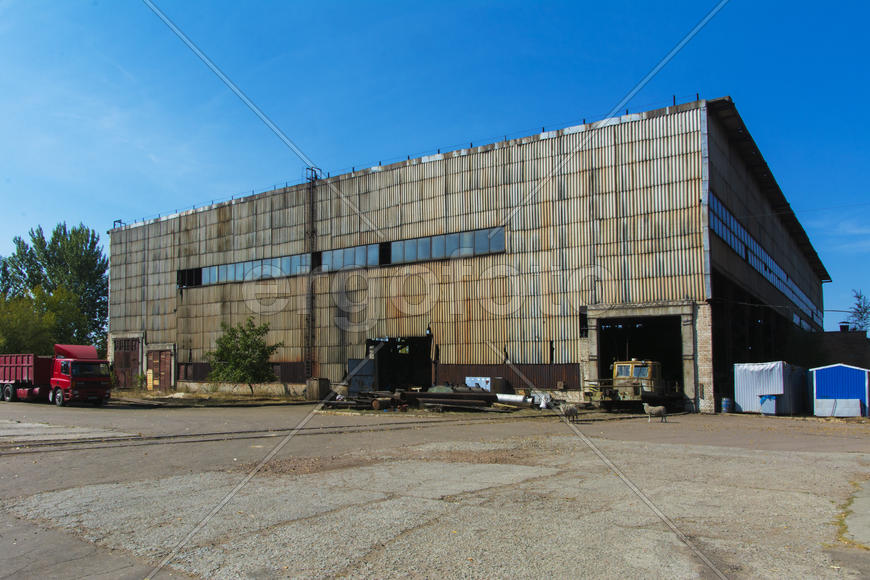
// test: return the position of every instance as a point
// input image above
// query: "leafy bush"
(242, 355)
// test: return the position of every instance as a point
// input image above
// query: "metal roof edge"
(862, 369)
(440, 156)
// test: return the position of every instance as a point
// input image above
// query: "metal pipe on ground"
(513, 399)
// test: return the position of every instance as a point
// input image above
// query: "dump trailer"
(73, 374)
(634, 382)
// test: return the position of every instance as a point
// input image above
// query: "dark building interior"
(745, 330)
(655, 338)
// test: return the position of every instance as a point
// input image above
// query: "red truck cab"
(79, 375)
(73, 374)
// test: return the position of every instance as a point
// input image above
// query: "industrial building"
(660, 235)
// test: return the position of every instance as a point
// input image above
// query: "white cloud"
(841, 232)
(857, 246)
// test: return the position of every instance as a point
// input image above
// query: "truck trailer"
(73, 374)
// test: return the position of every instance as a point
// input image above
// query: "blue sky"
(107, 115)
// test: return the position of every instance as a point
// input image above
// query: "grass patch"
(840, 522)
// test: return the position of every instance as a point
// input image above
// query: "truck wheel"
(8, 393)
(58, 397)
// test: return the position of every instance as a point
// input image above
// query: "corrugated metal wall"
(841, 382)
(598, 214)
(754, 380)
(543, 376)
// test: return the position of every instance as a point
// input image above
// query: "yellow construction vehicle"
(634, 382)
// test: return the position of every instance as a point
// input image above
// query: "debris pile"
(439, 398)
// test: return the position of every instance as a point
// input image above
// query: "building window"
(424, 248)
(373, 255)
(440, 247)
(189, 278)
(481, 242)
(731, 231)
(496, 241)
(439, 251)
(451, 249)
(410, 250)
(396, 253)
(466, 244)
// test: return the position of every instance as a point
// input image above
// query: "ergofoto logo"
(263, 295)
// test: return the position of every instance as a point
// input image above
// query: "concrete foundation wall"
(296, 390)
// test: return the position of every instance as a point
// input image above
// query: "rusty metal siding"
(600, 214)
(523, 376)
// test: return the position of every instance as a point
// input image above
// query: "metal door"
(160, 364)
(126, 362)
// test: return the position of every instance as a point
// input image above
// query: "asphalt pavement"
(444, 495)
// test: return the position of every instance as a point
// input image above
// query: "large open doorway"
(657, 338)
(392, 363)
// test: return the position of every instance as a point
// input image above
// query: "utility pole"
(312, 175)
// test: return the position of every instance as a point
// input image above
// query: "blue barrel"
(726, 405)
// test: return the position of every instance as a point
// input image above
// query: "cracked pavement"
(477, 498)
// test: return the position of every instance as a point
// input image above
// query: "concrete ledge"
(274, 389)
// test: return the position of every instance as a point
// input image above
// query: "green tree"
(70, 262)
(20, 272)
(859, 314)
(24, 328)
(242, 355)
(70, 324)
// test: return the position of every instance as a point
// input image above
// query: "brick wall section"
(851, 348)
(704, 358)
(690, 382)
